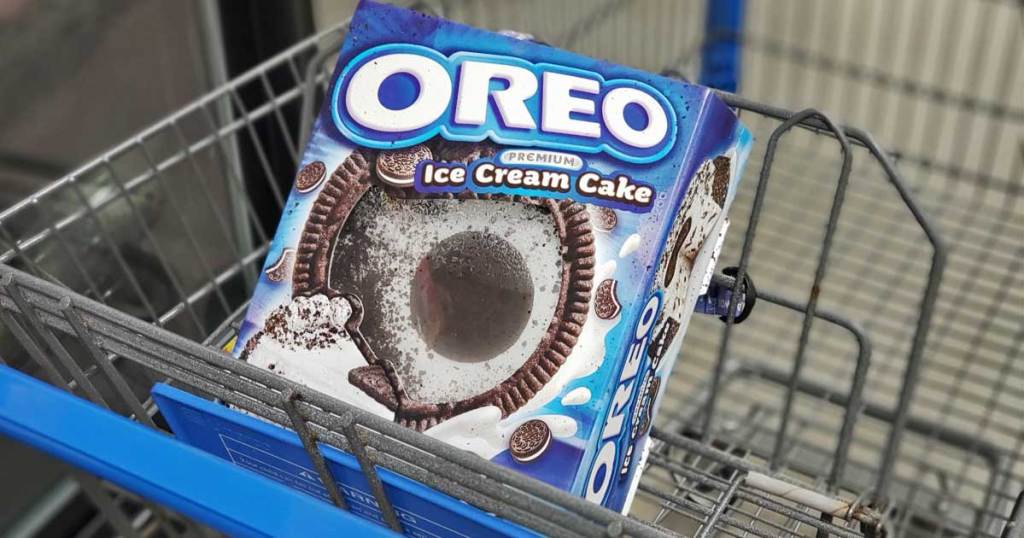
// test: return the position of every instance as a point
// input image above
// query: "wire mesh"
(171, 226)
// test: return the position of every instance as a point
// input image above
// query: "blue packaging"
(499, 244)
(276, 453)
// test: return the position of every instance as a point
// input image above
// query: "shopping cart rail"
(55, 314)
(156, 466)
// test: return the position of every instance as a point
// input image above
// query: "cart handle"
(160, 468)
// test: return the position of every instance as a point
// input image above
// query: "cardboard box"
(498, 243)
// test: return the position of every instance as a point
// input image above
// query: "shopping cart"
(875, 391)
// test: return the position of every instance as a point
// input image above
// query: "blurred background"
(939, 84)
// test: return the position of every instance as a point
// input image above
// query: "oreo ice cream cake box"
(499, 244)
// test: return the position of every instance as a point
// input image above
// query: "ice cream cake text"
(450, 177)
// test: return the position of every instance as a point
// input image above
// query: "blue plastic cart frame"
(160, 468)
(720, 55)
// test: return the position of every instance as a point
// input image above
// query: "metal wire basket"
(862, 397)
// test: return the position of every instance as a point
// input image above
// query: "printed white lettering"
(557, 105)
(474, 89)
(605, 460)
(363, 102)
(613, 111)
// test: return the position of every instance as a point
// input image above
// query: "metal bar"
(115, 250)
(1005, 370)
(911, 373)
(69, 364)
(857, 137)
(46, 215)
(926, 306)
(804, 117)
(93, 489)
(723, 501)
(139, 180)
(1015, 522)
(855, 400)
(357, 446)
(819, 274)
(29, 342)
(308, 438)
(18, 253)
(211, 31)
(773, 531)
(158, 177)
(80, 380)
(281, 123)
(987, 451)
(759, 498)
(757, 478)
(225, 229)
(261, 153)
(104, 364)
(160, 255)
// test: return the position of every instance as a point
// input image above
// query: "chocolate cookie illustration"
(606, 301)
(529, 441)
(605, 218)
(458, 301)
(398, 167)
(463, 152)
(282, 268)
(663, 337)
(647, 413)
(310, 176)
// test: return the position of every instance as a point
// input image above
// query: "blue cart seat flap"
(160, 468)
(277, 453)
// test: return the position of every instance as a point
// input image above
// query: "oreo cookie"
(398, 167)
(310, 176)
(663, 338)
(605, 218)
(606, 301)
(281, 270)
(647, 413)
(529, 441)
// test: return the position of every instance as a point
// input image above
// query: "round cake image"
(456, 301)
